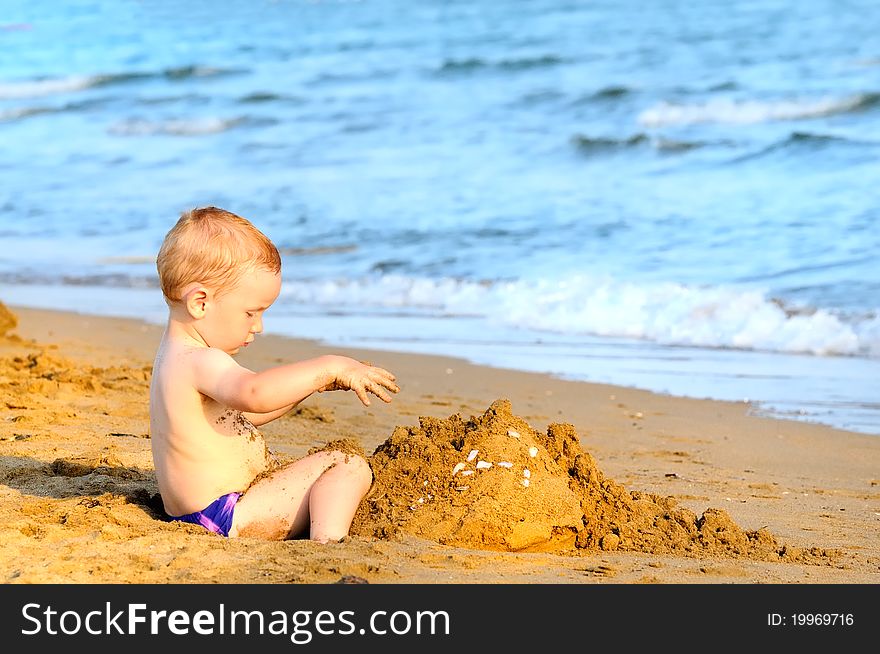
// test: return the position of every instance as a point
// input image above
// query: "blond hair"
(213, 247)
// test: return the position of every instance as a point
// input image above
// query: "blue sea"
(675, 196)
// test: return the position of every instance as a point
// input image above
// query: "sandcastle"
(493, 482)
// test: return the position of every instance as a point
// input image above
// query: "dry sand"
(623, 486)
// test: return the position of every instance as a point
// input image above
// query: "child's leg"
(320, 492)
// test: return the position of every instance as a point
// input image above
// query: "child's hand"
(362, 378)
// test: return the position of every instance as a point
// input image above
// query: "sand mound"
(8, 320)
(493, 482)
(488, 508)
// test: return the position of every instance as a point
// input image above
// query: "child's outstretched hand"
(362, 378)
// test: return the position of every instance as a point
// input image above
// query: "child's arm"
(219, 376)
(337, 384)
(258, 419)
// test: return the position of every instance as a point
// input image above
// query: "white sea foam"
(748, 111)
(194, 127)
(665, 313)
(8, 115)
(14, 90)
(38, 88)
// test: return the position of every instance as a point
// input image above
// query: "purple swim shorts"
(217, 517)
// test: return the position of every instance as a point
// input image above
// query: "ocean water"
(675, 196)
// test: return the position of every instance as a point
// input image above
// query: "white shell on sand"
(466, 473)
(505, 464)
(458, 468)
(533, 451)
(472, 455)
(525, 482)
(513, 433)
(527, 473)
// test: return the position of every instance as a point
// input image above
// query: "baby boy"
(219, 274)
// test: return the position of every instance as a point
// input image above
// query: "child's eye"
(250, 314)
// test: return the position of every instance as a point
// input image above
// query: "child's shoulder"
(208, 362)
(181, 354)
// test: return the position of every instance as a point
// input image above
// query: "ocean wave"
(665, 313)
(473, 64)
(37, 88)
(157, 100)
(257, 97)
(10, 115)
(597, 145)
(317, 250)
(605, 94)
(729, 85)
(611, 92)
(810, 138)
(197, 71)
(53, 86)
(183, 127)
(40, 277)
(804, 141)
(335, 77)
(19, 113)
(537, 97)
(749, 112)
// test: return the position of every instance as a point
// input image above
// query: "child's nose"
(258, 326)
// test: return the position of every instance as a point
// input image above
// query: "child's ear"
(196, 300)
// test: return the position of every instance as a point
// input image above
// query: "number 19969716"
(810, 619)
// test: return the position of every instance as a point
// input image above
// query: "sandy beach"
(626, 486)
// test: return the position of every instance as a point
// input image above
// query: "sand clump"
(552, 497)
(8, 321)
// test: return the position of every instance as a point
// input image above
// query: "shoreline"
(801, 393)
(810, 485)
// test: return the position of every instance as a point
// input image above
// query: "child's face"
(232, 319)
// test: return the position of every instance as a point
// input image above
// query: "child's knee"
(357, 465)
(354, 463)
(363, 468)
